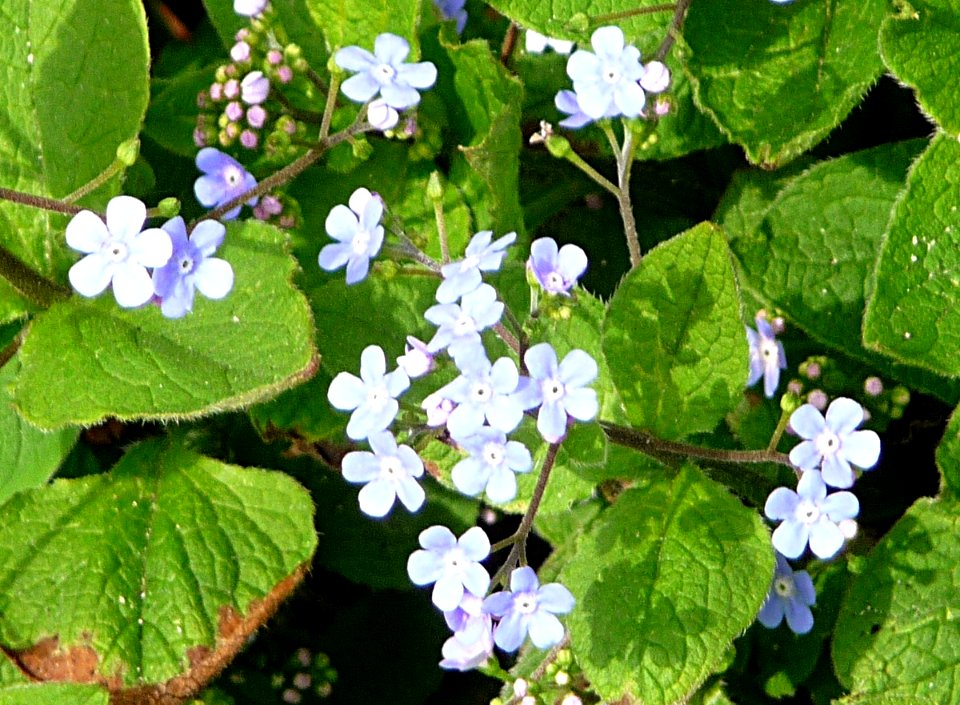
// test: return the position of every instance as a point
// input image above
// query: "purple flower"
(249, 8)
(224, 179)
(809, 515)
(117, 252)
(833, 442)
(528, 607)
(192, 267)
(472, 640)
(240, 52)
(460, 324)
(791, 595)
(387, 473)
(484, 391)
(609, 78)
(453, 10)
(384, 72)
(371, 397)
(656, 77)
(566, 102)
(560, 389)
(358, 232)
(491, 466)
(767, 357)
(557, 271)
(451, 564)
(254, 88)
(482, 255)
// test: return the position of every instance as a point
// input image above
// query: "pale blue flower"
(791, 595)
(559, 389)
(416, 360)
(609, 77)
(192, 267)
(528, 608)
(556, 270)
(453, 10)
(371, 396)
(832, 442)
(388, 473)
(809, 515)
(451, 564)
(224, 179)
(118, 252)
(459, 325)
(484, 391)
(358, 233)
(566, 102)
(384, 72)
(472, 640)
(491, 466)
(767, 357)
(536, 43)
(483, 254)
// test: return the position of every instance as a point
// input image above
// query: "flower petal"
(86, 232)
(214, 278)
(91, 275)
(807, 421)
(862, 448)
(844, 415)
(125, 216)
(376, 498)
(132, 286)
(545, 630)
(354, 58)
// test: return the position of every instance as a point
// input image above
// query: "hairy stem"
(11, 349)
(96, 182)
(636, 11)
(329, 107)
(48, 204)
(582, 165)
(679, 13)
(624, 156)
(32, 286)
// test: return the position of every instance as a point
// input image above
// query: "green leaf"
(920, 45)
(75, 86)
(172, 115)
(86, 360)
(673, 336)
(28, 456)
(897, 633)
(175, 559)
(948, 455)
(914, 312)
(665, 579)
(53, 694)
(359, 23)
(778, 78)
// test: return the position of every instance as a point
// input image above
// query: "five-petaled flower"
(607, 82)
(556, 270)
(559, 389)
(767, 357)
(387, 474)
(371, 396)
(483, 254)
(192, 267)
(451, 564)
(491, 466)
(484, 391)
(358, 233)
(809, 515)
(791, 595)
(117, 252)
(223, 180)
(832, 442)
(384, 72)
(528, 607)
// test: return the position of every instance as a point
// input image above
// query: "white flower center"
(554, 282)
(525, 602)
(611, 73)
(384, 73)
(827, 442)
(481, 393)
(807, 512)
(116, 250)
(784, 587)
(552, 389)
(186, 264)
(391, 468)
(360, 243)
(464, 325)
(770, 351)
(455, 560)
(378, 397)
(232, 176)
(493, 454)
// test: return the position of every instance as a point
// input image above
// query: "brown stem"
(509, 42)
(624, 14)
(49, 204)
(679, 13)
(32, 286)
(11, 349)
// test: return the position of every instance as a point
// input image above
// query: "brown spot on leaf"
(46, 661)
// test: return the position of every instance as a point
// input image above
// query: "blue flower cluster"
(479, 408)
(810, 515)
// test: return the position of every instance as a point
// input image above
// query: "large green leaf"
(53, 694)
(665, 579)
(920, 45)
(897, 635)
(914, 312)
(778, 78)
(948, 455)
(358, 23)
(75, 86)
(674, 337)
(174, 559)
(86, 360)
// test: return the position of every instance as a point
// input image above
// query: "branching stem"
(48, 204)
(624, 156)
(679, 13)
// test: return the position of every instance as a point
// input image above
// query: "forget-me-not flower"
(118, 252)
(559, 389)
(371, 396)
(832, 441)
(224, 178)
(192, 267)
(528, 607)
(483, 254)
(536, 43)
(416, 360)
(451, 564)
(491, 466)
(557, 270)
(459, 325)
(809, 515)
(358, 233)
(767, 357)
(387, 474)
(484, 391)
(566, 102)
(609, 77)
(791, 595)
(384, 72)
(472, 640)
(453, 10)
(381, 116)
(249, 8)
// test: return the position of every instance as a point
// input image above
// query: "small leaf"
(914, 312)
(897, 634)
(920, 46)
(86, 360)
(175, 559)
(778, 78)
(665, 580)
(674, 338)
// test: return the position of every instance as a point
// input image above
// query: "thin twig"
(49, 204)
(509, 42)
(612, 17)
(679, 13)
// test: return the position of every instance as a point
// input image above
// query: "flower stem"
(329, 107)
(779, 430)
(679, 13)
(116, 166)
(11, 349)
(49, 204)
(636, 11)
(624, 158)
(32, 286)
(509, 42)
(582, 165)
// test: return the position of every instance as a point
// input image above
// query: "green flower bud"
(558, 146)
(169, 207)
(128, 151)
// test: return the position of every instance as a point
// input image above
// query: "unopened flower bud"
(848, 527)
(434, 187)
(231, 89)
(558, 146)
(519, 688)
(249, 139)
(381, 115)
(571, 699)
(438, 409)
(169, 207)
(233, 111)
(561, 678)
(873, 386)
(256, 116)
(811, 369)
(795, 387)
(900, 396)
(216, 92)
(284, 74)
(240, 52)
(818, 399)
(656, 77)
(661, 107)
(274, 57)
(128, 151)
